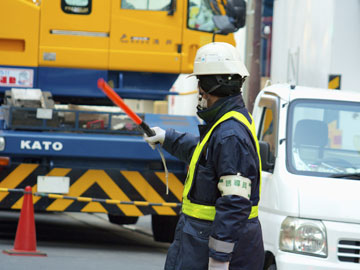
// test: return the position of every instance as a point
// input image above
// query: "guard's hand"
(159, 137)
(217, 265)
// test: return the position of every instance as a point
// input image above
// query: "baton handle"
(148, 131)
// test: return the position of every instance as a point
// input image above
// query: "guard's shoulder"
(231, 127)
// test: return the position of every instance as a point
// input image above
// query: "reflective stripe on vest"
(207, 212)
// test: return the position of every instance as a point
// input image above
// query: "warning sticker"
(16, 77)
(334, 81)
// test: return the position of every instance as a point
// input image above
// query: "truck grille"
(349, 251)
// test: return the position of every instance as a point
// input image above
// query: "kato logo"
(41, 145)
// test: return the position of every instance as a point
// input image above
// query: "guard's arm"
(180, 145)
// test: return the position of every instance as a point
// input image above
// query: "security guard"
(219, 227)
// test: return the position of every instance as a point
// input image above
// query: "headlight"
(2, 143)
(303, 236)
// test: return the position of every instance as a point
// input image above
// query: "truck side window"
(155, 5)
(267, 132)
(79, 7)
(200, 16)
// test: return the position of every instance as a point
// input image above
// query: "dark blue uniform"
(230, 150)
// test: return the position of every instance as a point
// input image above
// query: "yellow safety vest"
(207, 212)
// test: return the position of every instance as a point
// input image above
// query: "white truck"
(316, 43)
(310, 150)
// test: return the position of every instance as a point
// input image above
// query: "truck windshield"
(200, 15)
(324, 138)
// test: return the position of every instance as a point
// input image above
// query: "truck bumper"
(291, 261)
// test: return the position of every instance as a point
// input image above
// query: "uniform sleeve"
(232, 155)
(180, 145)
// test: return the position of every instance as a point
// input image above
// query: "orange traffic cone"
(25, 239)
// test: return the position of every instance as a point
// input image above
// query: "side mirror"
(234, 19)
(267, 159)
(223, 24)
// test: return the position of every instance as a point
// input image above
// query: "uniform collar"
(214, 113)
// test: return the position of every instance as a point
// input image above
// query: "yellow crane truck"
(60, 135)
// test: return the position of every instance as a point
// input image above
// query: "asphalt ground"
(83, 241)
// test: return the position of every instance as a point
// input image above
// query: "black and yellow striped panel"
(147, 186)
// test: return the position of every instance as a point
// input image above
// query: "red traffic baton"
(117, 100)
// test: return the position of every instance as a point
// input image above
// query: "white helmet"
(218, 58)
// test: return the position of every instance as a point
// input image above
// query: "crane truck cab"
(310, 150)
(137, 46)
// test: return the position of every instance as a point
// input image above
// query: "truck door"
(75, 33)
(146, 35)
(267, 110)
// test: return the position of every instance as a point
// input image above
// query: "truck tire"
(122, 220)
(163, 227)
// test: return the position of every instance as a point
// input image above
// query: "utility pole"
(254, 82)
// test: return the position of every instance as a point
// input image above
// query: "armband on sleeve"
(235, 185)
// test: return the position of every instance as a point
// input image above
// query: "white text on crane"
(41, 145)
